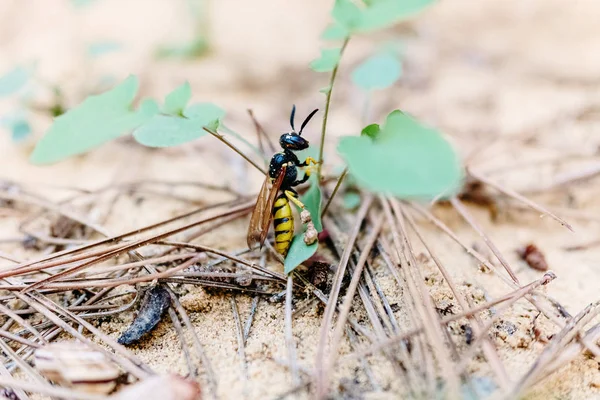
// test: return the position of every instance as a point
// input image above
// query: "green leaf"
(14, 80)
(176, 101)
(378, 72)
(351, 200)
(347, 14)
(166, 130)
(193, 49)
(328, 60)
(205, 111)
(18, 126)
(82, 3)
(384, 13)
(371, 131)
(101, 48)
(335, 31)
(298, 253)
(312, 202)
(406, 159)
(311, 151)
(325, 89)
(97, 120)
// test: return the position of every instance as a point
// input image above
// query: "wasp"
(277, 192)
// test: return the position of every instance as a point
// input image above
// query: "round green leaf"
(14, 80)
(383, 13)
(176, 101)
(298, 253)
(378, 72)
(406, 159)
(347, 14)
(205, 111)
(335, 32)
(165, 131)
(97, 120)
(351, 200)
(328, 60)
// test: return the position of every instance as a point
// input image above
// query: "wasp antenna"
(292, 115)
(307, 119)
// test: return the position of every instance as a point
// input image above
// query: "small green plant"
(401, 158)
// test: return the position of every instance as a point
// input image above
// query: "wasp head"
(293, 141)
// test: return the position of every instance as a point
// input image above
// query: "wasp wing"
(261, 215)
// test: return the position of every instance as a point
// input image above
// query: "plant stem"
(231, 146)
(335, 190)
(326, 113)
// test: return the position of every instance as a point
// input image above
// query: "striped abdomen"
(283, 222)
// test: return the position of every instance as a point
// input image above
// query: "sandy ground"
(514, 84)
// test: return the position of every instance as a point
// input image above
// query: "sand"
(511, 83)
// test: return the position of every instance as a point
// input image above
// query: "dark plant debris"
(533, 257)
(155, 303)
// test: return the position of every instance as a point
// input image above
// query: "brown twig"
(520, 198)
(321, 375)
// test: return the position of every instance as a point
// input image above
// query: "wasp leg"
(293, 197)
(310, 234)
(309, 160)
(301, 181)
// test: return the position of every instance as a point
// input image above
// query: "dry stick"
(130, 361)
(418, 371)
(46, 389)
(98, 283)
(260, 132)
(17, 338)
(26, 368)
(335, 190)
(547, 278)
(462, 210)
(365, 364)
(488, 347)
(350, 291)
(465, 314)
(131, 265)
(51, 206)
(231, 257)
(522, 199)
(425, 307)
(34, 267)
(197, 344)
(240, 336)
(370, 309)
(321, 377)
(20, 394)
(139, 243)
(7, 257)
(558, 343)
(184, 346)
(255, 299)
(14, 316)
(232, 147)
(289, 336)
(248, 323)
(326, 112)
(371, 279)
(69, 252)
(475, 254)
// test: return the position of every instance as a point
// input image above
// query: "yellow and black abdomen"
(283, 222)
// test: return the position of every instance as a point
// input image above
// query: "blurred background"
(514, 85)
